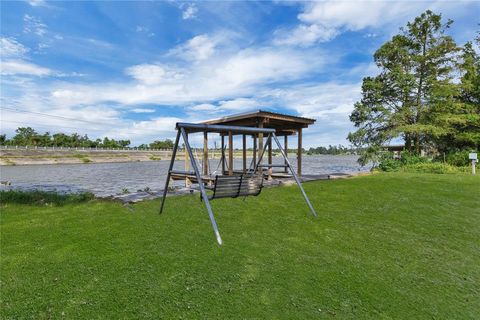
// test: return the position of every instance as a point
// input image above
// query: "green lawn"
(398, 246)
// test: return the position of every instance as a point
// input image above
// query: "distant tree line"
(27, 136)
(335, 150)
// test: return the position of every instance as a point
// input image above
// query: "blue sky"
(133, 69)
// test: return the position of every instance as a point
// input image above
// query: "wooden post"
(230, 153)
(254, 150)
(244, 138)
(269, 159)
(260, 144)
(285, 146)
(188, 183)
(299, 153)
(205, 153)
(223, 154)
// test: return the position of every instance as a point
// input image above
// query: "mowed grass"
(404, 246)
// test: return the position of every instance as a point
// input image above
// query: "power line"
(45, 126)
(67, 118)
(54, 116)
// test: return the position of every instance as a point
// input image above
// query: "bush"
(36, 197)
(388, 163)
(410, 158)
(459, 158)
(432, 167)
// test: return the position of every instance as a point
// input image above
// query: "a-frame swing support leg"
(314, 213)
(201, 186)
(174, 154)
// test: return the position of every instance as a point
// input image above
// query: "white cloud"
(326, 100)
(239, 104)
(239, 74)
(152, 74)
(14, 67)
(305, 35)
(142, 110)
(198, 48)
(204, 107)
(354, 15)
(34, 25)
(37, 3)
(190, 12)
(145, 30)
(324, 20)
(233, 105)
(11, 48)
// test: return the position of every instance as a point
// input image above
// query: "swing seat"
(237, 186)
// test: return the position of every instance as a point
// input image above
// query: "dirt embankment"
(38, 156)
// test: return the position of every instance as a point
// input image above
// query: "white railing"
(80, 148)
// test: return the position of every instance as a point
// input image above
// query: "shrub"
(388, 163)
(432, 167)
(459, 158)
(37, 197)
(409, 158)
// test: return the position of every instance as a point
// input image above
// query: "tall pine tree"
(416, 68)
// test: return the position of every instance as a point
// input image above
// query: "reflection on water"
(105, 179)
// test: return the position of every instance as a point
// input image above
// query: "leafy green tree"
(460, 117)
(166, 144)
(415, 66)
(25, 136)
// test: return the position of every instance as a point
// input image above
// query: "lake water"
(104, 179)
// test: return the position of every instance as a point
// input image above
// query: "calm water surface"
(105, 179)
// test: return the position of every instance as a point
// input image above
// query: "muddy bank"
(33, 157)
(12, 157)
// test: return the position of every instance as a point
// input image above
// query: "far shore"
(21, 157)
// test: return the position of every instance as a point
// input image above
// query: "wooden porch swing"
(249, 183)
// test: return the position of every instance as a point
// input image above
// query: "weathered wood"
(205, 153)
(244, 149)
(269, 159)
(234, 186)
(285, 146)
(230, 153)
(223, 154)
(188, 182)
(299, 153)
(260, 141)
(254, 149)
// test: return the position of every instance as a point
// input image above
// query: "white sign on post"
(473, 156)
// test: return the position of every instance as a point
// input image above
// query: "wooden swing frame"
(183, 129)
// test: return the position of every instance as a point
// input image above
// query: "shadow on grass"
(41, 198)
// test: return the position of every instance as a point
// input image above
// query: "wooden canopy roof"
(282, 123)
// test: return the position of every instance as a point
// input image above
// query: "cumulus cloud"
(189, 11)
(153, 74)
(324, 20)
(241, 73)
(198, 48)
(233, 105)
(305, 35)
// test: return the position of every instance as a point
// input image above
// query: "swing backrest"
(235, 186)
